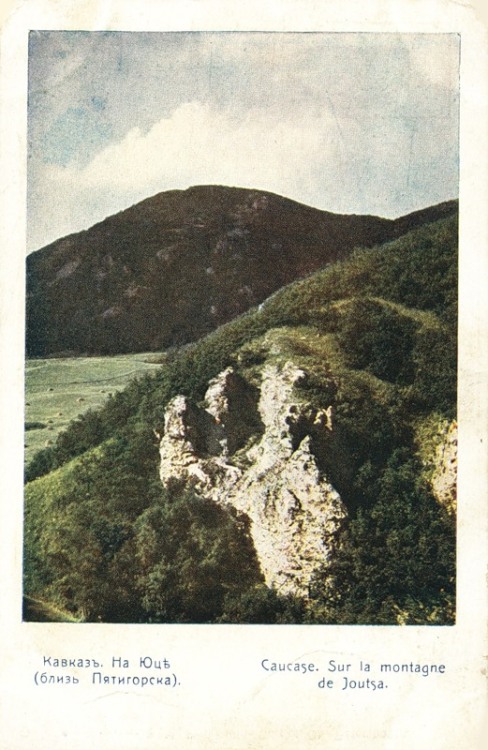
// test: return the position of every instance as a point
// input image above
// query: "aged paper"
(206, 686)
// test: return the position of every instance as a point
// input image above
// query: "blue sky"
(351, 123)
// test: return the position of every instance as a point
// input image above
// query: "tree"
(377, 338)
(189, 555)
(394, 561)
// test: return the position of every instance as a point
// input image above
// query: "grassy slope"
(35, 610)
(59, 390)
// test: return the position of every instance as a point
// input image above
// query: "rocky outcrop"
(253, 449)
(444, 476)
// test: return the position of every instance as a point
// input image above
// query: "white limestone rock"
(444, 476)
(294, 510)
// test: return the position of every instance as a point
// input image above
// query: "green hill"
(178, 265)
(375, 335)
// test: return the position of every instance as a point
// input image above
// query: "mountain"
(174, 267)
(295, 465)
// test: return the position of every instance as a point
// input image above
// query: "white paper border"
(225, 699)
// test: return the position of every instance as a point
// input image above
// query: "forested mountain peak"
(175, 266)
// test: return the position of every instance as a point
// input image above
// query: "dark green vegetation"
(38, 611)
(176, 266)
(376, 333)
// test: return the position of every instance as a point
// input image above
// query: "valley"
(58, 390)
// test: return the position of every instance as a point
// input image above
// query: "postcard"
(244, 370)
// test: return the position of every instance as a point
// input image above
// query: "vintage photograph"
(241, 328)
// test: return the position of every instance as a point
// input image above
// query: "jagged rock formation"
(254, 450)
(444, 476)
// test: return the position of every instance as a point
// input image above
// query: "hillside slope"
(176, 266)
(60, 389)
(295, 465)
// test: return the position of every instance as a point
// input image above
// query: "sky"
(351, 123)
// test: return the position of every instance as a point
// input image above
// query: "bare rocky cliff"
(444, 475)
(253, 449)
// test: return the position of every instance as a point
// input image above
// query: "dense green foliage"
(396, 559)
(120, 549)
(377, 338)
(376, 334)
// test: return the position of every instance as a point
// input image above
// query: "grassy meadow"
(59, 390)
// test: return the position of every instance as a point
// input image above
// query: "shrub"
(376, 338)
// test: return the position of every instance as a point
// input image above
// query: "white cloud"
(196, 145)
(200, 143)
(347, 165)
